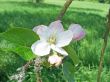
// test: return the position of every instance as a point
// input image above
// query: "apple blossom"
(53, 37)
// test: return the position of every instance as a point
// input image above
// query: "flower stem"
(38, 77)
(64, 9)
(26, 66)
(103, 48)
(37, 67)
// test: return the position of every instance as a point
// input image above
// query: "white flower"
(55, 60)
(54, 38)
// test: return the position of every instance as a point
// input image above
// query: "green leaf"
(72, 54)
(22, 36)
(68, 71)
(23, 51)
(19, 41)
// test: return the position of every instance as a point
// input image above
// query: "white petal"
(40, 29)
(44, 36)
(43, 32)
(56, 26)
(40, 48)
(59, 50)
(78, 31)
(64, 38)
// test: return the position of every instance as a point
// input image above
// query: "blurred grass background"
(91, 15)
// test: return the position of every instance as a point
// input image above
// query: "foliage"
(8, 64)
(68, 71)
(48, 75)
(21, 43)
(72, 54)
(21, 36)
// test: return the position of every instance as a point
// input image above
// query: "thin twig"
(37, 67)
(103, 48)
(64, 9)
(26, 66)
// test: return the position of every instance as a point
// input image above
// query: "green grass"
(92, 16)
(84, 6)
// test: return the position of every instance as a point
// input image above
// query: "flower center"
(52, 39)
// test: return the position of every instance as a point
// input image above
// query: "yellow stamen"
(52, 39)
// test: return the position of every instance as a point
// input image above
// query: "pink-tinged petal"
(40, 29)
(56, 26)
(64, 38)
(40, 48)
(43, 32)
(59, 50)
(78, 31)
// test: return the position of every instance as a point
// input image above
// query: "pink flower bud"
(78, 31)
(55, 60)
